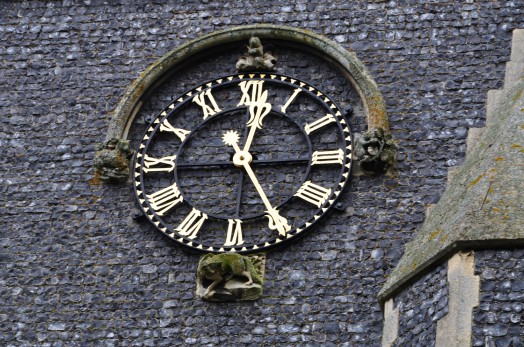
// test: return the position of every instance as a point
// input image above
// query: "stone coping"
(483, 204)
(346, 60)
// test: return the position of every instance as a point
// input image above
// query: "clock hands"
(215, 225)
(258, 109)
(243, 158)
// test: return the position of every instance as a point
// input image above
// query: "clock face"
(243, 163)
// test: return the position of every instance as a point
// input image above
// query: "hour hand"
(258, 109)
(243, 159)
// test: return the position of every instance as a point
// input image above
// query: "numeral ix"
(149, 162)
(328, 157)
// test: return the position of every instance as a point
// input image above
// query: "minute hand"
(242, 159)
(258, 109)
(276, 221)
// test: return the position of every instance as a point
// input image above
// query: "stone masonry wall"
(498, 319)
(420, 306)
(76, 270)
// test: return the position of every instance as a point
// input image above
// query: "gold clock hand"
(276, 221)
(258, 109)
(243, 159)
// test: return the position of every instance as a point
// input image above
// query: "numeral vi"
(234, 233)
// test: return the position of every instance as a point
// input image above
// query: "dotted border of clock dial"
(344, 177)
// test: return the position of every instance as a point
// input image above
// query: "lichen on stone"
(111, 161)
(230, 277)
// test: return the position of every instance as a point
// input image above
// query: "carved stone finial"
(256, 59)
(112, 161)
(376, 152)
(230, 277)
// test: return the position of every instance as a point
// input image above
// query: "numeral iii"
(328, 157)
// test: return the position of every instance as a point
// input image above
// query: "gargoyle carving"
(112, 161)
(230, 277)
(376, 152)
(256, 59)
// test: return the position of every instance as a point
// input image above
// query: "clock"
(242, 163)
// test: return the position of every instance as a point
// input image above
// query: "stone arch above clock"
(345, 61)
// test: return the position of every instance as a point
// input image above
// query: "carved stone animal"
(376, 151)
(112, 161)
(256, 59)
(221, 268)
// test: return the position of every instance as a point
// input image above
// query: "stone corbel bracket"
(346, 61)
(112, 161)
(230, 277)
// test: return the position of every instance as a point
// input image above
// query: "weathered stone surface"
(454, 329)
(350, 65)
(498, 320)
(230, 277)
(390, 331)
(420, 306)
(111, 161)
(483, 204)
(70, 253)
(256, 59)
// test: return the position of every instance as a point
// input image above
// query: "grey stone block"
(514, 72)
(517, 46)
(493, 100)
(474, 135)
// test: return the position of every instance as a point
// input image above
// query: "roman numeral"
(165, 199)
(192, 224)
(309, 128)
(328, 157)
(256, 88)
(313, 193)
(234, 233)
(181, 133)
(290, 100)
(150, 161)
(200, 99)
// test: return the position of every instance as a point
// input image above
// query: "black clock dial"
(243, 163)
